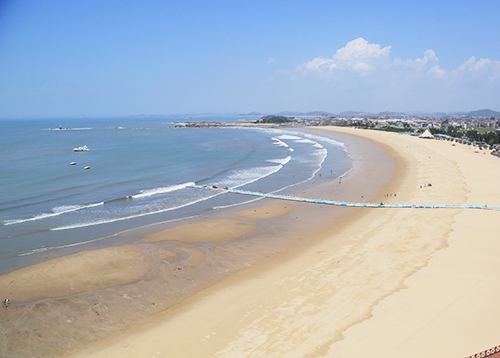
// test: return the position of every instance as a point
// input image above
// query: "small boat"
(72, 163)
(86, 167)
(81, 149)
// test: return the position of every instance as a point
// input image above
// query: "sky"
(110, 58)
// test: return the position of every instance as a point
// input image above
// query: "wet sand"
(69, 303)
(386, 283)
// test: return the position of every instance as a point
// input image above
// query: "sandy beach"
(393, 283)
(61, 305)
(332, 282)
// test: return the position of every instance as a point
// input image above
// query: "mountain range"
(478, 113)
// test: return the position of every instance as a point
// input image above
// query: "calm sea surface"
(139, 172)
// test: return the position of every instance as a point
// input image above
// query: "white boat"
(81, 149)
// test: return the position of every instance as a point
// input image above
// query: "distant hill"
(288, 113)
(298, 114)
(392, 114)
(252, 114)
(355, 114)
(317, 113)
(433, 114)
(480, 113)
(484, 113)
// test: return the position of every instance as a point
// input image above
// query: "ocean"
(138, 173)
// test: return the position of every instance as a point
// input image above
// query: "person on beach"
(6, 303)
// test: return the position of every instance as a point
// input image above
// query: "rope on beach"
(343, 203)
(485, 353)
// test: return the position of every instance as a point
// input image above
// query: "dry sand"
(393, 283)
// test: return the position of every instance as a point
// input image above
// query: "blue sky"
(118, 58)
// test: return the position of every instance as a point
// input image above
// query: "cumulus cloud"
(427, 66)
(367, 75)
(360, 59)
(418, 64)
(483, 68)
(358, 56)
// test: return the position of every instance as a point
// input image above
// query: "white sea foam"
(261, 173)
(311, 136)
(59, 210)
(67, 129)
(330, 141)
(234, 180)
(323, 152)
(279, 142)
(107, 221)
(161, 190)
(282, 161)
(287, 136)
(44, 248)
(243, 177)
(66, 209)
(34, 251)
(305, 140)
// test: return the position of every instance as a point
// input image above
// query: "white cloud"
(270, 60)
(473, 69)
(427, 66)
(357, 56)
(362, 59)
(363, 75)
(418, 64)
(360, 50)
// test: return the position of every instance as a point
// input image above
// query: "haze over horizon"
(102, 59)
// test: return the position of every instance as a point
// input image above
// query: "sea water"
(138, 172)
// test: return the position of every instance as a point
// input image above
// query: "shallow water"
(140, 170)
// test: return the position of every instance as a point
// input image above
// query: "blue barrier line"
(342, 203)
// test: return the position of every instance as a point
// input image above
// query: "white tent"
(427, 134)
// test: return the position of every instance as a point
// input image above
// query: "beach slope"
(393, 283)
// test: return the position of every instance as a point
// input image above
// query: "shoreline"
(389, 283)
(131, 290)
